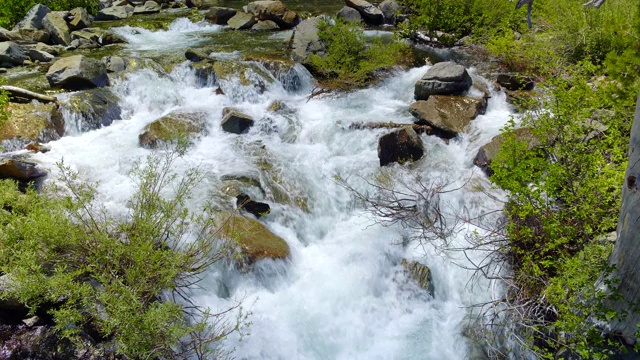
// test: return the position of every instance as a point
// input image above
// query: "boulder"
(389, 9)
(421, 274)
(42, 56)
(255, 241)
(515, 81)
(488, 152)
(12, 54)
(57, 28)
(34, 17)
(81, 19)
(115, 13)
(19, 170)
(114, 63)
(30, 36)
(149, 7)
(202, 4)
(258, 209)
(82, 44)
(32, 121)
(250, 74)
(306, 41)
(220, 15)
(370, 13)
(54, 50)
(235, 122)
(445, 78)
(99, 36)
(274, 11)
(450, 114)
(77, 72)
(400, 146)
(5, 35)
(241, 21)
(170, 128)
(349, 14)
(96, 107)
(266, 25)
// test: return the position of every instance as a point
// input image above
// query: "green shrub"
(351, 60)
(120, 277)
(13, 11)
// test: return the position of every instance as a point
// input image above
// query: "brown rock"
(450, 114)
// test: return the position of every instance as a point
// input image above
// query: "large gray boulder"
(57, 28)
(34, 17)
(449, 114)
(241, 21)
(306, 41)
(401, 146)
(81, 19)
(349, 14)
(220, 15)
(445, 78)
(115, 13)
(389, 9)
(149, 7)
(12, 54)
(96, 107)
(78, 72)
(370, 13)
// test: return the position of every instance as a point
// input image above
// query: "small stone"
(32, 321)
(236, 122)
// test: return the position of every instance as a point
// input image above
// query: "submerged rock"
(419, 273)
(78, 72)
(171, 127)
(236, 122)
(258, 209)
(255, 241)
(450, 114)
(400, 146)
(445, 78)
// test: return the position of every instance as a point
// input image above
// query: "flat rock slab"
(242, 21)
(445, 78)
(450, 114)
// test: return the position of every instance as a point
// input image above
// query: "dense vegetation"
(124, 280)
(564, 193)
(13, 11)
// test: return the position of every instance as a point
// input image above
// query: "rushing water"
(342, 294)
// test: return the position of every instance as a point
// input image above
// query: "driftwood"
(420, 129)
(17, 94)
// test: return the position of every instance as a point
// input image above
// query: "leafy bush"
(124, 279)
(13, 11)
(350, 59)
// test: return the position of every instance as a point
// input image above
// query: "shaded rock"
(149, 7)
(54, 50)
(78, 72)
(57, 28)
(305, 40)
(445, 78)
(81, 19)
(400, 146)
(255, 241)
(289, 20)
(96, 107)
(451, 114)
(19, 170)
(258, 209)
(515, 81)
(389, 9)
(196, 55)
(37, 148)
(82, 44)
(266, 25)
(236, 122)
(33, 18)
(241, 21)
(220, 71)
(5, 34)
(37, 55)
(115, 13)
(170, 128)
(419, 273)
(220, 15)
(32, 121)
(12, 54)
(114, 63)
(349, 14)
(31, 36)
(97, 35)
(369, 12)
(489, 151)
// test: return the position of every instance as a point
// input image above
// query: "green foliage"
(350, 59)
(13, 11)
(119, 277)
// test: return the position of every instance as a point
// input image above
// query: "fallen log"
(17, 94)
(420, 129)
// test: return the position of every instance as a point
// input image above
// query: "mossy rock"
(33, 122)
(170, 128)
(255, 241)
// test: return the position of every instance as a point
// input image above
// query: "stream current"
(343, 293)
